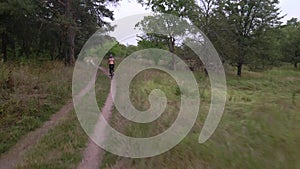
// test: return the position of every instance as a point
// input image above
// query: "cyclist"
(111, 64)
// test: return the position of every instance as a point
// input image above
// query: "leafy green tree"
(174, 7)
(203, 15)
(266, 50)
(151, 41)
(174, 29)
(131, 49)
(235, 27)
(291, 42)
(57, 28)
(247, 19)
(75, 16)
(119, 50)
(14, 15)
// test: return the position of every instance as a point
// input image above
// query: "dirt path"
(93, 154)
(15, 155)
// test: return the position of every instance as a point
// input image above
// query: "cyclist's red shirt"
(111, 61)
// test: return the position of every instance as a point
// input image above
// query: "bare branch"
(62, 3)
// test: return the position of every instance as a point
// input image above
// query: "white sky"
(291, 8)
(128, 8)
(131, 7)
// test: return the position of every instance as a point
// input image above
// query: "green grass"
(29, 95)
(260, 127)
(62, 147)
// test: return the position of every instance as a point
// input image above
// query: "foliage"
(119, 50)
(291, 42)
(247, 20)
(164, 29)
(52, 28)
(244, 32)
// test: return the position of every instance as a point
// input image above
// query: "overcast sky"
(291, 8)
(130, 7)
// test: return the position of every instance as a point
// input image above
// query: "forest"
(244, 32)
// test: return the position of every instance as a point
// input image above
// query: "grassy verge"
(29, 95)
(260, 127)
(62, 147)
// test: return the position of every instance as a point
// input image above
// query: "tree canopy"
(291, 42)
(245, 32)
(55, 28)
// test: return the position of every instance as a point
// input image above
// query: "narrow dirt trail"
(93, 154)
(16, 154)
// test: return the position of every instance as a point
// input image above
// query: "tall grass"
(260, 127)
(63, 146)
(30, 94)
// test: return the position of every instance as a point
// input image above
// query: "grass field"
(260, 127)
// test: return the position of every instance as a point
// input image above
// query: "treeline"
(244, 32)
(54, 29)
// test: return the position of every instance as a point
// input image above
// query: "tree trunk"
(171, 44)
(239, 69)
(4, 46)
(71, 33)
(52, 52)
(296, 65)
(13, 48)
(60, 48)
(24, 49)
(66, 53)
(70, 58)
(27, 51)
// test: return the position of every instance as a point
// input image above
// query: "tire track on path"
(93, 154)
(15, 155)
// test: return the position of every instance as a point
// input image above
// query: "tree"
(56, 28)
(174, 29)
(13, 16)
(199, 12)
(266, 50)
(119, 50)
(77, 15)
(174, 7)
(131, 49)
(151, 41)
(291, 42)
(247, 19)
